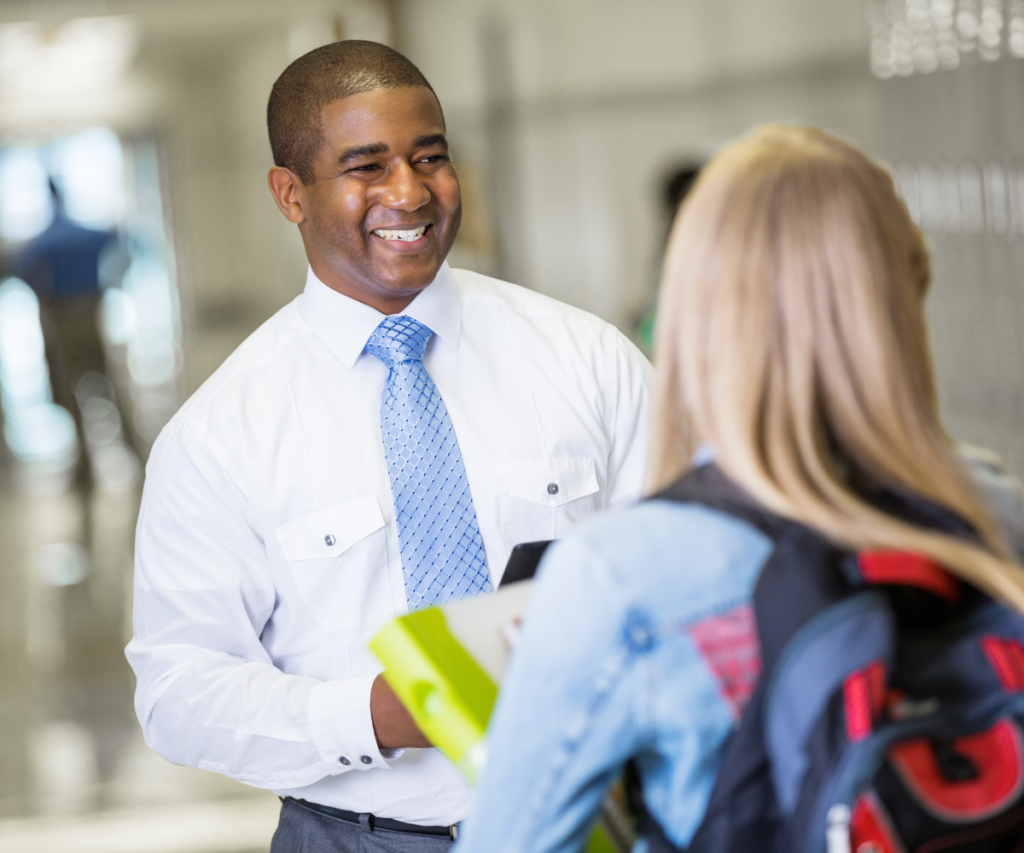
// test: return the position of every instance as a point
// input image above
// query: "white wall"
(574, 111)
(565, 116)
(970, 120)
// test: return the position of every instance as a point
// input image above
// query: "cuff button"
(366, 759)
(344, 761)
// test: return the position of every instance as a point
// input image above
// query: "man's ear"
(286, 188)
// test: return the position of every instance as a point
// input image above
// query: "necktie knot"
(398, 339)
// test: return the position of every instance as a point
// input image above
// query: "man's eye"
(367, 168)
(434, 158)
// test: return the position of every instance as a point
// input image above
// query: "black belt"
(379, 822)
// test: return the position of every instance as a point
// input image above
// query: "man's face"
(385, 207)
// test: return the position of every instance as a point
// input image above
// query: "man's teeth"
(404, 236)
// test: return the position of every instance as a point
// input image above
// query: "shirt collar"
(345, 325)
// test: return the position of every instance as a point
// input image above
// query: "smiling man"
(379, 445)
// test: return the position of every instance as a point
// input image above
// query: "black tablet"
(523, 561)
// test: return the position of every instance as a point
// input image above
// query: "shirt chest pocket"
(338, 559)
(542, 498)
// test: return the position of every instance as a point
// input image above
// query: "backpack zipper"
(837, 836)
(847, 778)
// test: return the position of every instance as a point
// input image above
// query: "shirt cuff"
(342, 729)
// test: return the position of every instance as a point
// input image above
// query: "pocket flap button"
(330, 540)
(552, 488)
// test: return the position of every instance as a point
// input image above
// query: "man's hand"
(392, 724)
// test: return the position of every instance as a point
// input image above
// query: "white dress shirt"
(267, 550)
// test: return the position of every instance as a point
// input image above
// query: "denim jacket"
(639, 642)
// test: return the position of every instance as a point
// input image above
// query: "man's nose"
(404, 189)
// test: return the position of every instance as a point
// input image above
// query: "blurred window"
(105, 185)
(88, 167)
(25, 206)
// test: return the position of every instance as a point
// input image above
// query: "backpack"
(889, 711)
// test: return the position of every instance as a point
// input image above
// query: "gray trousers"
(302, 830)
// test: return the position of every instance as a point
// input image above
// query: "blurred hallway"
(566, 119)
(76, 774)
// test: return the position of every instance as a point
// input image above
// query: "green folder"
(445, 664)
(447, 692)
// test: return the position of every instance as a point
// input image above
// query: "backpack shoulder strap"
(708, 486)
(801, 577)
(805, 573)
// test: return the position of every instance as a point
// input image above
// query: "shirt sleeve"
(208, 694)
(630, 377)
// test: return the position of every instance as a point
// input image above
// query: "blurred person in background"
(673, 193)
(63, 265)
(321, 483)
(793, 367)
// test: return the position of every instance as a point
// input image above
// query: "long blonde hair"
(791, 339)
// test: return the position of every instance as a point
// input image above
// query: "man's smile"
(404, 241)
(400, 235)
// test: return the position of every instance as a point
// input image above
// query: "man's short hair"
(318, 78)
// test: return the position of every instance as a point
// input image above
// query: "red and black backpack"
(888, 716)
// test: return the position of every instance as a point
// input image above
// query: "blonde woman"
(791, 350)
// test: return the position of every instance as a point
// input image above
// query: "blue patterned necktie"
(438, 534)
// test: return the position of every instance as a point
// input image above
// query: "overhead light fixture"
(73, 56)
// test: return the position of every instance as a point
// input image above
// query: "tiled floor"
(75, 774)
(239, 825)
